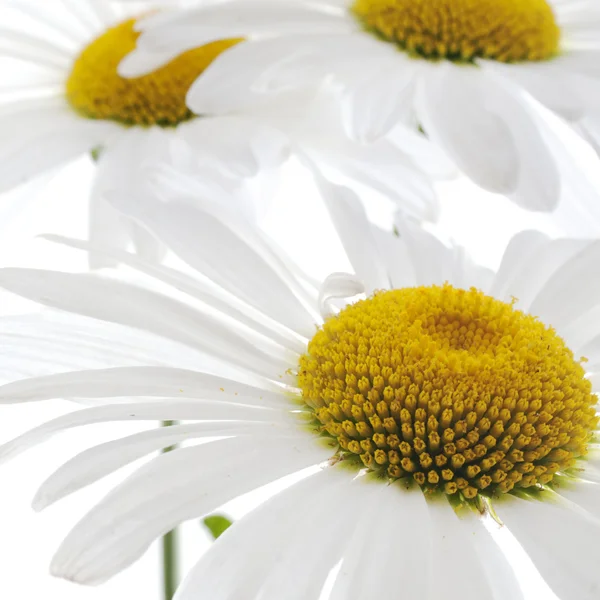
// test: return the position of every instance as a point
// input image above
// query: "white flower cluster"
(420, 399)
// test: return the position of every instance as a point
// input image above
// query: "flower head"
(470, 73)
(446, 392)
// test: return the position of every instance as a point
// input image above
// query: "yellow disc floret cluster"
(503, 30)
(457, 390)
(95, 89)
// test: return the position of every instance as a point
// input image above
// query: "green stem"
(170, 562)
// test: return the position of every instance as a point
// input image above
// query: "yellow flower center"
(452, 388)
(95, 90)
(461, 30)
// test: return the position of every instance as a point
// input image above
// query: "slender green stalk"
(170, 559)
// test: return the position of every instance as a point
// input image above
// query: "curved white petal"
(196, 288)
(151, 382)
(164, 410)
(537, 266)
(560, 540)
(36, 139)
(390, 547)
(486, 128)
(134, 306)
(97, 462)
(434, 263)
(218, 252)
(338, 286)
(146, 244)
(354, 229)
(49, 342)
(167, 492)
(106, 226)
(584, 494)
(572, 289)
(261, 548)
(452, 548)
(380, 99)
(241, 77)
(518, 250)
(190, 29)
(547, 81)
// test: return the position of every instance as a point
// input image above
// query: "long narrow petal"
(570, 291)
(49, 342)
(220, 253)
(97, 462)
(151, 382)
(355, 232)
(166, 410)
(259, 548)
(167, 492)
(396, 523)
(456, 571)
(194, 287)
(560, 540)
(119, 302)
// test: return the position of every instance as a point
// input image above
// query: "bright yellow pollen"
(452, 388)
(461, 30)
(95, 89)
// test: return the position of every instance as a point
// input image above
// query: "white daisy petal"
(247, 71)
(106, 226)
(583, 494)
(130, 305)
(211, 247)
(452, 548)
(540, 261)
(166, 410)
(138, 381)
(550, 532)
(379, 100)
(236, 145)
(499, 571)
(338, 286)
(37, 50)
(255, 547)
(46, 16)
(570, 292)
(548, 83)
(521, 246)
(350, 221)
(397, 524)
(487, 130)
(39, 344)
(37, 140)
(236, 19)
(97, 462)
(196, 288)
(453, 114)
(147, 245)
(166, 492)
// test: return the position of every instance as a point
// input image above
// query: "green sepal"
(217, 525)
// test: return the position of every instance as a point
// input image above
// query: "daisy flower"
(416, 396)
(402, 167)
(471, 73)
(62, 98)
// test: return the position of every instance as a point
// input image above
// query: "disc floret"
(462, 30)
(451, 388)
